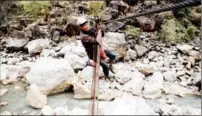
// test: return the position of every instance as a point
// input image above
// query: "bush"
(133, 31)
(174, 31)
(183, 12)
(35, 9)
(96, 7)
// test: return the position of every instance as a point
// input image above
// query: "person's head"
(82, 23)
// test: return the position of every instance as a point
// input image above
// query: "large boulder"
(141, 50)
(78, 50)
(33, 31)
(130, 55)
(135, 85)
(36, 46)
(108, 14)
(114, 26)
(115, 42)
(127, 105)
(47, 53)
(153, 86)
(184, 48)
(9, 73)
(146, 23)
(170, 76)
(171, 88)
(83, 81)
(144, 68)
(51, 75)
(123, 76)
(16, 41)
(35, 98)
(152, 55)
(25, 68)
(71, 28)
(76, 61)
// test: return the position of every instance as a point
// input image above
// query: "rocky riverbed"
(43, 70)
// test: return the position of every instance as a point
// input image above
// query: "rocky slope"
(49, 59)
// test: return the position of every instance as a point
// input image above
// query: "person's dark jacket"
(88, 39)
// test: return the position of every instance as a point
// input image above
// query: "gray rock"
(33, 31)
(114, 26)
(192, 60)
(115, 42)
(35, 98)
(36, 46)
(123, 76)
(68, 49)
(9, 73)
(56, 36)
(152, 55)
(51, 75)
(153, 86)
(13, 61)
(180, 73)
(108, 14)
(144, 68)
(82, 82)
(13, 43)
(135, 105)
(171, 88)
(170, 76)
(76, 61)
(47, 53)
(194, 53)
(184, 48)
(130, 55)
(135, 85)
(141, 50)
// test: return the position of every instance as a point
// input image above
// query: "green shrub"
(183, 12)
(191, 30)
(96, 7)
(35, 9)
(174, 31)
(133, 31)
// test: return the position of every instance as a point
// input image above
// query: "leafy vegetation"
(134, 31)
(35, 9)
(174, 31)
(96, 7)
(183, 12)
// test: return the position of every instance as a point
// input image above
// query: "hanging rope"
(95, 80)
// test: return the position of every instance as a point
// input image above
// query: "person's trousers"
(103, 63)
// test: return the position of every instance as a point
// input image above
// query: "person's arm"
(89, 39)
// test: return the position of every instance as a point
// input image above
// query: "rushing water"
(17, 102)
